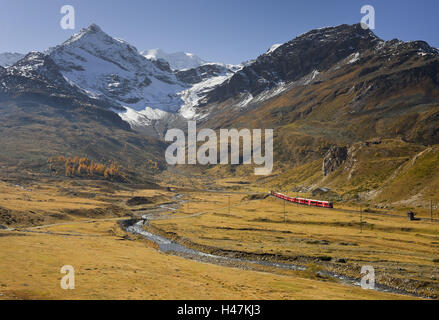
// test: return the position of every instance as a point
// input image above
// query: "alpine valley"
(351, 113)
(83, 176)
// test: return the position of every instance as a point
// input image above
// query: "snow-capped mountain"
(95, 69)
(7, 59)
(177, 60)
(112, 70)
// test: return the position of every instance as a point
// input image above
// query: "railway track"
(364, 212)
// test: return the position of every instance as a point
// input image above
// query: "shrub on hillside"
(84, 167)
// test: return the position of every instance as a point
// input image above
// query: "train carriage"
(303, 201)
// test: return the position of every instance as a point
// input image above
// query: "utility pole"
(431, 210)
(285, 212)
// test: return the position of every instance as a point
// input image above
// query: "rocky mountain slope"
(368, 85)
(330, 92)
(307, 54)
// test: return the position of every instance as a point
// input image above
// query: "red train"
(307, 202)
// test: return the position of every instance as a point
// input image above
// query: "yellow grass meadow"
(79, 226)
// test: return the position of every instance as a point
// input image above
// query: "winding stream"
(169, 246)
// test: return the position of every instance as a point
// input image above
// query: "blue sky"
(228, 31)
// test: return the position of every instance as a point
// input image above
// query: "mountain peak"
(96, 42)
(344, 31)
(92, 31)
(94, 28)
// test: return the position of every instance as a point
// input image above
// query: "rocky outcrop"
(334, 158)
(204, 72)
(162, 65)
